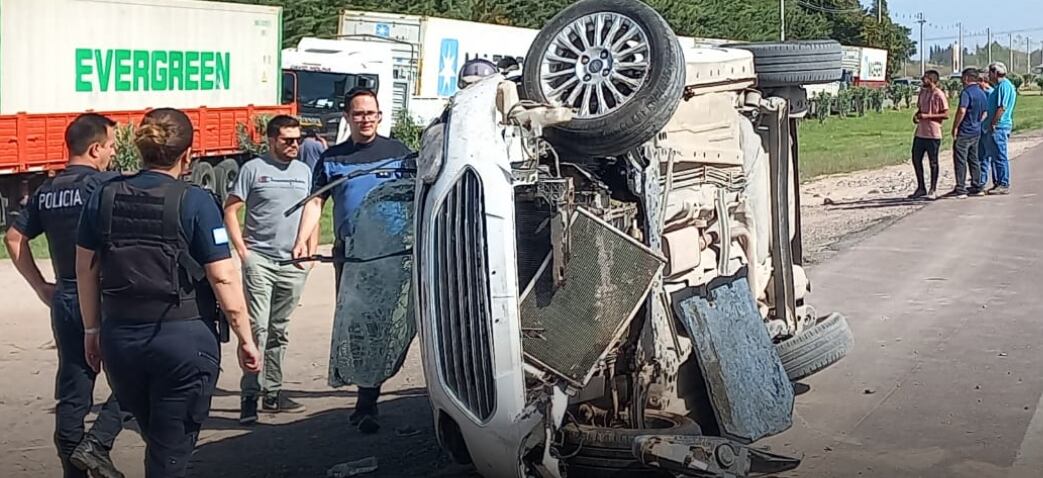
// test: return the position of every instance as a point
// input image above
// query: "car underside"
(607, 258)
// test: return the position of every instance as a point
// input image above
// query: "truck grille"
(461, 297)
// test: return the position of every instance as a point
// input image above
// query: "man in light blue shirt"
(998, 125)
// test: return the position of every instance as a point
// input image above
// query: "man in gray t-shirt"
(268, 186)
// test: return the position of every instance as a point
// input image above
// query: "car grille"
(461, 297)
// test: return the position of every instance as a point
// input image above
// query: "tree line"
(846, 21)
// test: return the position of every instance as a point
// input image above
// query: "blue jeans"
(995, 143)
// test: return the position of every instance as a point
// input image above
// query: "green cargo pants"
(272, 294)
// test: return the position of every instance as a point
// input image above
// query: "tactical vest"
(60, 201)
(147, 273)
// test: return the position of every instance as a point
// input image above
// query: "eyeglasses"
(364, 115)
(291, 141)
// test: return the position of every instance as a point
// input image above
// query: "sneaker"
(90, 456)
(281, 404)
(248, 411)
(918, 194)
(931, 196)
(976, 193)
(999, 191)
(369, 424)
(955, 194)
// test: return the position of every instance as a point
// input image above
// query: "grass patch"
(881, 139)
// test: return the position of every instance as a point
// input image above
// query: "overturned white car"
(607, 254)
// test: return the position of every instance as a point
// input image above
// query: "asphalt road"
(945, 379)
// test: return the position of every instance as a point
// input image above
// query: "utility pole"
(782, 25)
(880, 11)
(923, 51)
(1010, 67)
(988, 31)
(1028, 56)
(959, 56)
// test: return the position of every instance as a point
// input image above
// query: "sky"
(976, 15)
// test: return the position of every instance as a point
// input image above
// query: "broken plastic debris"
(1003, 354)
(869, 391)
(353, 468)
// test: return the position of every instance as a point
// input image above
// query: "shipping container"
(866, 66)
(58, 58)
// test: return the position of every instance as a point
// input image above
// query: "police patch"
(220, 236)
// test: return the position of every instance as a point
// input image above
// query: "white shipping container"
(438, 46)
(60, 56)
(874, 65)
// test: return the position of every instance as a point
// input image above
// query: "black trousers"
(367, 397)
(965, 156)
(930, 147)
(74, 384)
(165, 373)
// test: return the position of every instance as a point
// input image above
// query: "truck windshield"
(318, 90)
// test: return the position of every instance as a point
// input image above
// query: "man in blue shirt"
(966, 131)
(998, 126)
(363, 151)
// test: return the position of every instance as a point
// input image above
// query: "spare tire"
(818, 347)
(601, 452)
(202, 175)
(795, 63)
(226, 173)
(617, 64)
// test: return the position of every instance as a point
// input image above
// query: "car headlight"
(432, 151)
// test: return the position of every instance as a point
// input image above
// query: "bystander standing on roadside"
(998, 126)
(966, 133)
(983, 154)
(312, 147)
(932, 110)
(268, 186)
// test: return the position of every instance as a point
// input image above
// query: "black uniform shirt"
(57, 213)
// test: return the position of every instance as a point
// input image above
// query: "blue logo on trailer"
(383, 30)
(448, 66)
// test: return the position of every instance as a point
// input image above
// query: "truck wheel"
(225, 174)
(600, 452)
(820, 346)
(795, 63)
(203, 176)
(617, 64)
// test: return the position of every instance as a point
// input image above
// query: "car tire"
(795, 63)
(602, 452)
(609, 127)
(225, 174)
(818, 347)
(203, 176)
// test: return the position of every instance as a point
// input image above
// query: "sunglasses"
(291, 141)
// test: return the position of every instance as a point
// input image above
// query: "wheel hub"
(596, 64)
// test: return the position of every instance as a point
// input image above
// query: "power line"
(985, 33)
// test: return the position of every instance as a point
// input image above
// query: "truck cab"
(318, 72)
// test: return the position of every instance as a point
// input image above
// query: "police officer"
(153, 256)
(54, 211)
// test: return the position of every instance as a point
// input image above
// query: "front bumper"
(469, 329)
